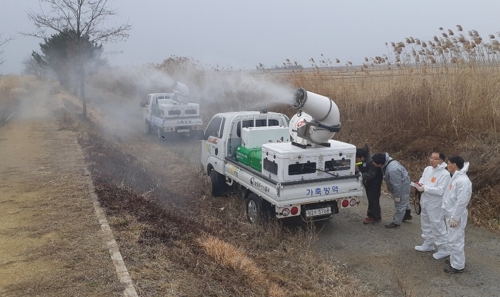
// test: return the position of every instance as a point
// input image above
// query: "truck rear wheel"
(257, 209)
(218, 183)
(148, 128)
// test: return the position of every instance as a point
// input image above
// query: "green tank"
(256, 159)
(250, 156)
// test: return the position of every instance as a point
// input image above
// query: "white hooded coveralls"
(455, 200)
(433, 227)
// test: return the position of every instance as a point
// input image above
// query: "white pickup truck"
(165, 113)
(282, 171)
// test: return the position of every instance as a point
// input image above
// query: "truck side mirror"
(142, 104)
(201, 135)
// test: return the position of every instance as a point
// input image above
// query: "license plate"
(183, 130)
(318, 211)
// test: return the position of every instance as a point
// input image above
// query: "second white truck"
(284, 168)
(168, 113)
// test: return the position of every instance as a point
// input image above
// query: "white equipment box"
(254, 137)
(284, 162)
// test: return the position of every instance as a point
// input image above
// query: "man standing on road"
(398, 183)
(372, 181)
(433, 183)
(455, 200)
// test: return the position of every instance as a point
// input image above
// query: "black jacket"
(372, 176)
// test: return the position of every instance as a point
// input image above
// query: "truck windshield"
(167, 101)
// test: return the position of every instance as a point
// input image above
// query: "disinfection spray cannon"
(181, 91)
(316, 121)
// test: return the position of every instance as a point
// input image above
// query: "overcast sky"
(241, 33)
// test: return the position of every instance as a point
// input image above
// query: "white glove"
(397, 199)
(421, 188)
(453, 223)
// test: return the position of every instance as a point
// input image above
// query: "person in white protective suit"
(432, 185)
(398, 183)
(455, 200)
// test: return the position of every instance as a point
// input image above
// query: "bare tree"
(86, 19)
(2, 43)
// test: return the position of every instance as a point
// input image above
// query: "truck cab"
(223, 135)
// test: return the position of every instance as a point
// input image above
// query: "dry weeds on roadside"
(12, 90)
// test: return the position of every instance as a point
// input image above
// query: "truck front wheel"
(160, 134)
(257, 212)
(218, 183)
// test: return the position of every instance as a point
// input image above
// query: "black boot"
(407, 215)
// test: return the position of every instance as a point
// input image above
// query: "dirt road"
(385, 259)
(50, 239)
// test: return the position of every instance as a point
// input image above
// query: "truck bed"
(295, 192)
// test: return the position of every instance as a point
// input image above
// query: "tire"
(160, 134)
(257, 210)
(149, 130)
(218, 183)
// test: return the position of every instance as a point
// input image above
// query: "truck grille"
(190, 111)
(174, 112)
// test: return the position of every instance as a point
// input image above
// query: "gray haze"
(241, 34)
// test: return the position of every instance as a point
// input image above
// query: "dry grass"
(10, 94)
(13, 89)
(235, 258)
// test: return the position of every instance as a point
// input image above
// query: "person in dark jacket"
(372, 182)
